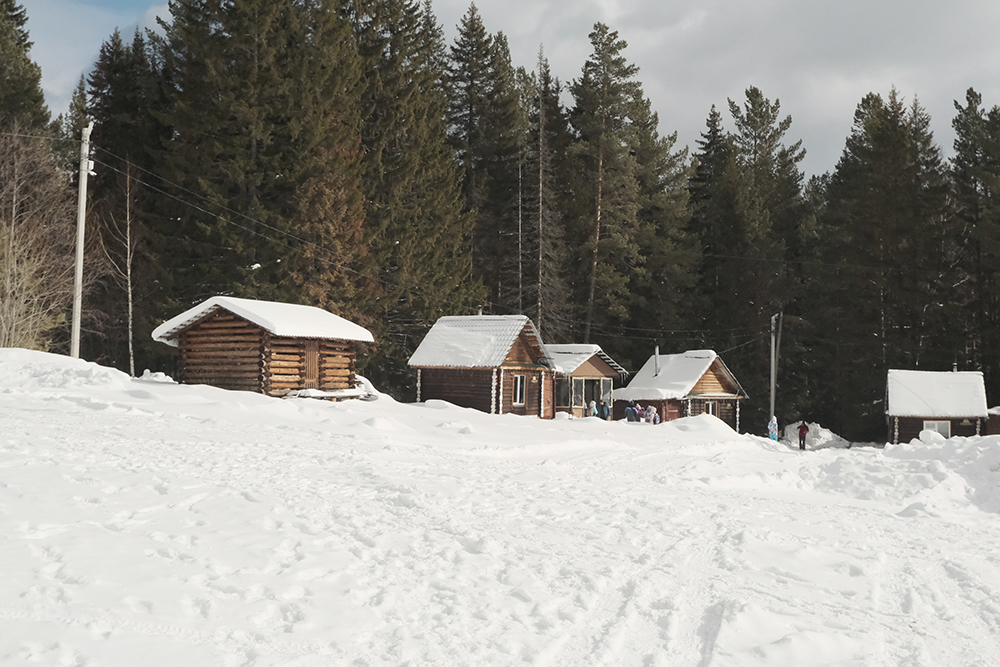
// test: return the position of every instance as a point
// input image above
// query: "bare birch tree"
(119, 241)
(36, 242)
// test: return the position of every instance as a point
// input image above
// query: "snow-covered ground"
(148, 523)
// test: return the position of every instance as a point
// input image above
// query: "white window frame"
(519, 390)
(711, 408)
(941, 426)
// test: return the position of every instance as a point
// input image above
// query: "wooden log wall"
(336, 364)
(223, 351)
(297, 363)
(285, 365)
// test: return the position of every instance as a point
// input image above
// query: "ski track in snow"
(148, 523)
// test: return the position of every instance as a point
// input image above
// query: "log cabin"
(493, 363)
(949, 402)
(684, 385)
(264, 346)
(583, 373)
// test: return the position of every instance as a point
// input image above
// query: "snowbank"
(817, 437)
(145, 522)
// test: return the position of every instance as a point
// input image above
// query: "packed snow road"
(147, 523)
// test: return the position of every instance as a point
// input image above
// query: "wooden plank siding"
(466, 387)
(910, 427)
(595, 368)
(491, 389)
(710, 383)
(534, 381)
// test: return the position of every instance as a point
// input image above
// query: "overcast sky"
(819, 58)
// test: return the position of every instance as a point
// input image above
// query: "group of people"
(599, 409)
(635, 413)
(772, 431)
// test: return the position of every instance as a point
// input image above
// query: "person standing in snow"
(603, 410)
(592, 409)
(650, 415)
(803, 429)
(772, 428)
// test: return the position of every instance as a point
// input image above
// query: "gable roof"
(567, 358)
(935, 394)
(472, 341)
(673, 376)
(280, 319)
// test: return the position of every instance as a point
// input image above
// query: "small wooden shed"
(684, 385)
(583, 373)
(949, 402)
(264, 346)
(493, 363)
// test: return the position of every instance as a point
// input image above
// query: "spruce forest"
(341, 153)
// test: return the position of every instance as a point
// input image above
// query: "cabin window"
(563, 386)
(606, 385)
(942, 427)
(712, 408)
(518, 390)
(578, 395)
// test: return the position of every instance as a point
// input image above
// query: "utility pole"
(776, 321)
(81, 222)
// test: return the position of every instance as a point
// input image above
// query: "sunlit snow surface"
(147, 523)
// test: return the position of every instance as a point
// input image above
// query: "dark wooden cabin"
(493, 363)
(583, 373)
(952, 403)
(263, 346)
(684, 385)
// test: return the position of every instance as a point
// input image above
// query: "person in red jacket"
(803, 429)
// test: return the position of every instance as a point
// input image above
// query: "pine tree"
(21, 97)
(263, 110)
(416, 231)
(121, 96)
(659, 293)
(975, 171)
(547, 256)
(68, 129)
(605, 96)
(468, 82)
(505, 134)
(320, 129)
(749, 216)
(886, 213)
(484, 128)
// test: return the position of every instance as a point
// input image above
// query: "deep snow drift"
(148, 523)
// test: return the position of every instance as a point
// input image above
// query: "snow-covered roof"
(935, 394)
(567, 358)
(471, 341)
(281, 319)
(671, 376)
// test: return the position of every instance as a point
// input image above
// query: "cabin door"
(312, 364)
